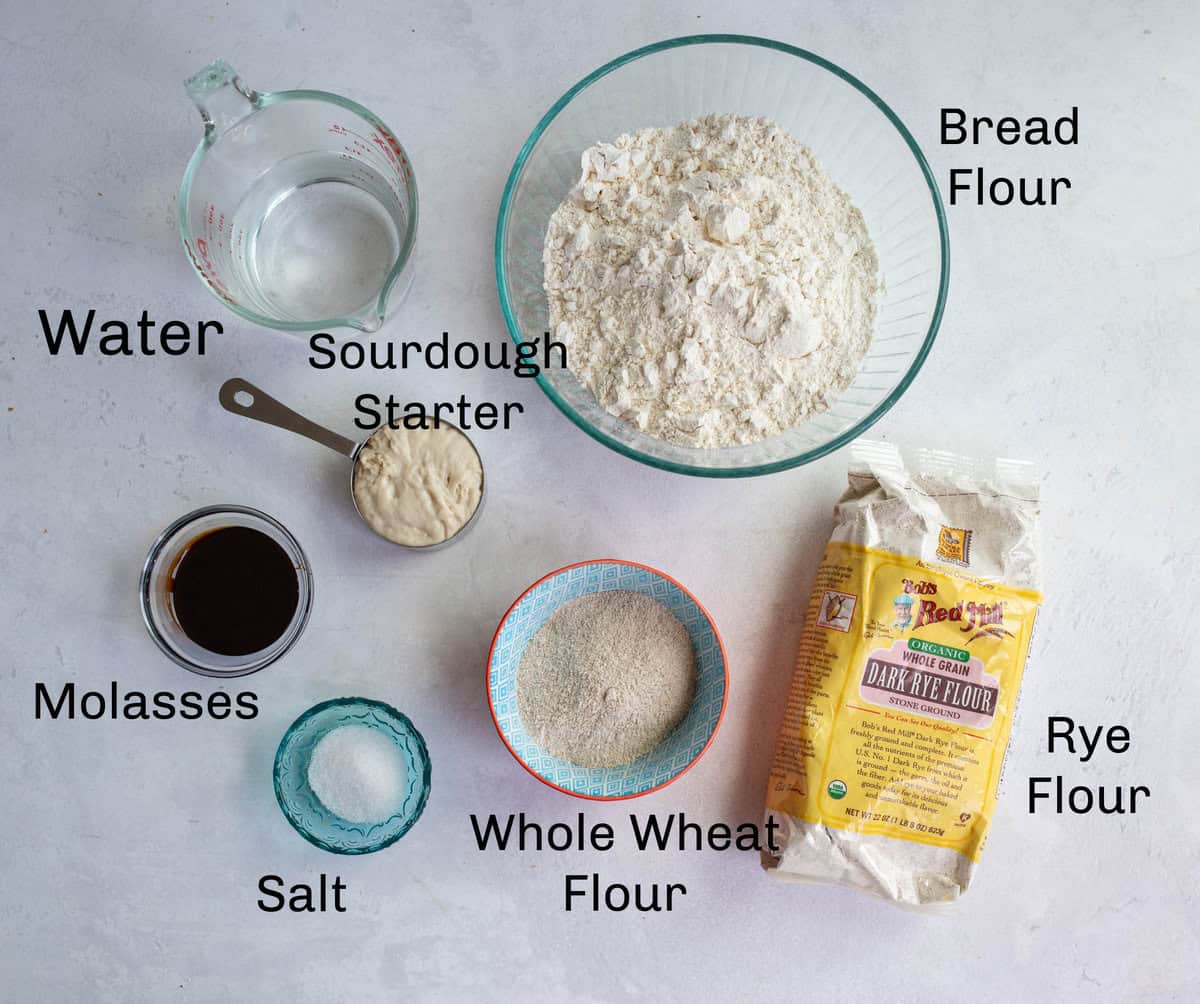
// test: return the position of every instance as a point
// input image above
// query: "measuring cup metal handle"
(264, 408)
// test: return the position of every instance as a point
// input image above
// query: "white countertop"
(132, 851)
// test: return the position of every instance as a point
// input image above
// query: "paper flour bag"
(889, 758)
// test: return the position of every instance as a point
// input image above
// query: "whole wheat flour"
(713, 286)
(606, 679)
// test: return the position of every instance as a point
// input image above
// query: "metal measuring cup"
(263, 408)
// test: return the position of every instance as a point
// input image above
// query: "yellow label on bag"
(903, 696)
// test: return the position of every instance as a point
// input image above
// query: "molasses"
(234, 590)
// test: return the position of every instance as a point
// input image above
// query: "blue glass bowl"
(676, 754)
(303, 809)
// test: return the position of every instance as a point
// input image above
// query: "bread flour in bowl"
(741, 246)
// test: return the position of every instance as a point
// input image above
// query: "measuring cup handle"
(263, 408)
(221, 97)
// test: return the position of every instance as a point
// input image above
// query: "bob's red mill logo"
(982, 618)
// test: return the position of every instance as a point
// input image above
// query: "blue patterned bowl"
(671, 758)
(303, 809)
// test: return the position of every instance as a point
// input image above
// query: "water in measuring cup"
(321, 232)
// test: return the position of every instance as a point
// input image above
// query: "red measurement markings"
(387, 143)
(203, 263)
(381, 139)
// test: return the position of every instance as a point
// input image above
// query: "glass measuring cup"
(299, 208)
(242, 398)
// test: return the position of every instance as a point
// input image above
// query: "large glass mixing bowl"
(858, 140)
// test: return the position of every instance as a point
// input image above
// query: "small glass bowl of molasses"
(226, 590)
